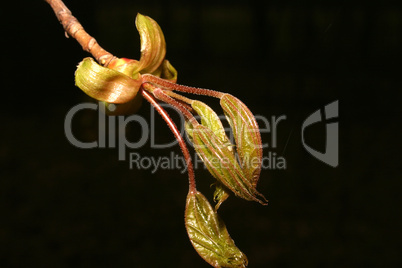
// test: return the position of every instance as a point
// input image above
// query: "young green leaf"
(153, 45)
(211, 120)
(105, 84)
(246, 134)
(222, 164)
(166, 71)
(208, 234)
(125, 66)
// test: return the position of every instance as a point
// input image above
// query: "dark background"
(63, 206)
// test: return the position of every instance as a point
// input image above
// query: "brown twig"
(74, 29)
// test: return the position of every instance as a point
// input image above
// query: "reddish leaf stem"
(172, 86)
(179, 97)
(161, 95)
(179, 138)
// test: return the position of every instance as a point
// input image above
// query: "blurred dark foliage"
(62, 206)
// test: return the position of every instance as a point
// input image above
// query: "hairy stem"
(178, 97)
(74, 29)
(179, 138)
(172, 86)
(161, 95)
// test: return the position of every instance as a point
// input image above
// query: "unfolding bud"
(216, 151)
(166, 71)
(211, 120)
(125, 66)
(221, 194)
(127, 108)
(208, 234)
(120, 82)
(247, 136)
(105, 84)
(222, 164)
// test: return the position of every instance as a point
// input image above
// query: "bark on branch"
(74, 29)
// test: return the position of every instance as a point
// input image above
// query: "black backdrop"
(62, 206)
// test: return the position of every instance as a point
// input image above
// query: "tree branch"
(74, 29)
